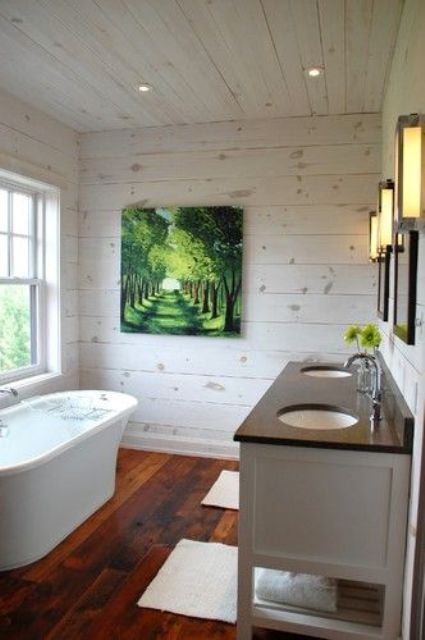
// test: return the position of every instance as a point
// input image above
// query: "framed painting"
(405, 288)
(181, 270)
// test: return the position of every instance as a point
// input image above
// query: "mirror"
(384, 284)
(405, 277)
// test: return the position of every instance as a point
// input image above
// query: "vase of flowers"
(367, 337)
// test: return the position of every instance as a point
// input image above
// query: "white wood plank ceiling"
(81, 61)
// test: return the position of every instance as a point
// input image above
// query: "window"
(29, 278)
(22, 348)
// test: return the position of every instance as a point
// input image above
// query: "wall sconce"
(385, 214)
(385, 224)
(410, 172)
(373, 237)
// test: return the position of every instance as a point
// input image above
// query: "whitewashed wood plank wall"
(37, 146)
(406, 94)
(307, 185)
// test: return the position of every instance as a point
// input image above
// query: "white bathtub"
(57, 466)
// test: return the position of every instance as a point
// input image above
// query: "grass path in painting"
(167, 313)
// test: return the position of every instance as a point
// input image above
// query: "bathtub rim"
(56, 451)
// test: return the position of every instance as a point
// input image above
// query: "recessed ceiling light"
(313, 72)
(144, 87)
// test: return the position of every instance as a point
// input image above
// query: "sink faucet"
(376, 395)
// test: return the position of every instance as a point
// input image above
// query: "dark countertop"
(393, 435)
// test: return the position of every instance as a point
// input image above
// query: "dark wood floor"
(87, 588)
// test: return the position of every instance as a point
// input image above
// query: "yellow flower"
(352, 332)
(370, 336)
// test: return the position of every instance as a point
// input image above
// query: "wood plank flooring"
(87, 588)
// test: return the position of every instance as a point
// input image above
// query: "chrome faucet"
(10, 390)
(376, 395)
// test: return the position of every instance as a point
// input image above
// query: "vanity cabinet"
(328, 512)
(327, 502)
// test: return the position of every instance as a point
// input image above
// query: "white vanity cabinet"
(330, 512)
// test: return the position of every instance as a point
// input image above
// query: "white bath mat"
(225, 491)
(198, 579)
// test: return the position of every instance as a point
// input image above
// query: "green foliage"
(220, 233)
(142, 230)
(189, 260)
(15, 327)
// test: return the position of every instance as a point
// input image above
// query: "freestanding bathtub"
(57, 466)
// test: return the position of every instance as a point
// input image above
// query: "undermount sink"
(316, 416)
(325, 371)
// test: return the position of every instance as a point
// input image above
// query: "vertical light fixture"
(373, 237)
(385, 214)
(410, 163)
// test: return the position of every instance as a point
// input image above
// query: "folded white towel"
(297, 589)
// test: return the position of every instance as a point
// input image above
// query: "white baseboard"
(181, 446)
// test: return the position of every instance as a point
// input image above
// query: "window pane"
(21, 213)
(15, 327)
(3, 210)
(4, 267)
(20, 265)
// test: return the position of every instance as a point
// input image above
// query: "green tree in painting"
(192, 267)
(143, 232)
(220, 232)
(181, 270)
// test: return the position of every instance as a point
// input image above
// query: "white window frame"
(44, 269)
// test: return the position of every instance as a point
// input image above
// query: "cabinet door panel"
(333, 512)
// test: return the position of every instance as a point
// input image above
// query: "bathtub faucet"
(10, 390)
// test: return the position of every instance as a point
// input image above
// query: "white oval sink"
(326, 372)
(317, 417)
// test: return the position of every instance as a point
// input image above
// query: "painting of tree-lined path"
(181, 270)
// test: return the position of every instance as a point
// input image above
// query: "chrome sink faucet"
(376, 395)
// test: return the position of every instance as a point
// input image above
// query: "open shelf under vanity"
(359, 609)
